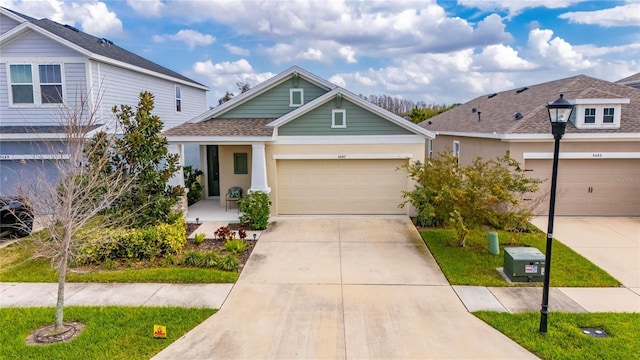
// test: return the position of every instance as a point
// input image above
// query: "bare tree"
(72, 205)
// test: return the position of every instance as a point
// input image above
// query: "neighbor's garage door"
(607, 187)
(340, 186)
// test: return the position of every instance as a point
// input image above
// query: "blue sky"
(432, 51)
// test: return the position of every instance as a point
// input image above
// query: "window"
(430, 150)
(21, 84)
(339, 118)
(50, 84)
(296, 97)
(590, 115)
(456, 149)
(178, 99)
(609, 115)
(240, 163)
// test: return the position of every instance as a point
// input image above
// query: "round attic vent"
(517, 116)
(473, 110)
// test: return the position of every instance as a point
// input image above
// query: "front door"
(213, 171)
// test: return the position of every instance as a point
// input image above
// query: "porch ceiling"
(224, 127)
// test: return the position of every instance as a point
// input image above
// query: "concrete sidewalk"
(95, 294)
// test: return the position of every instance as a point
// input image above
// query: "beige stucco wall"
(227, 177)
(416, 150)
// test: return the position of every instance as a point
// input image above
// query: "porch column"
(259, 169)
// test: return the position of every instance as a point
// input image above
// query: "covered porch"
(209, 210)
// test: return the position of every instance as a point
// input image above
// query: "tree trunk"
(62, 277)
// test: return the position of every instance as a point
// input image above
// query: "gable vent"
(71, 28)
(473, 110)
(521, 90)
(492, 95)
(517, 116)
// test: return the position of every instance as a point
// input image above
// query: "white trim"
(213, 140)
(582, 155)
(600, 101)
(296, 90)
(177, 87)
(344, 118)
(536, 137)
(340, 156)
(36, 157)
(349, 139)
(259, 169)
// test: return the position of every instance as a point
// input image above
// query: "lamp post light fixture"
(559, 113)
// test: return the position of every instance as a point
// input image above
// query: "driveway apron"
(342, 288)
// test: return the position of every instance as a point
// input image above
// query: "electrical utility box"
(524, 264)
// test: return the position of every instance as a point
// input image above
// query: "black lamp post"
(559, 113)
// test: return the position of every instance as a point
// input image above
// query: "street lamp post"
(559, 113)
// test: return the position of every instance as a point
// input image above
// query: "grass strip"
(564, 338)
(474, 265)
(111, 332)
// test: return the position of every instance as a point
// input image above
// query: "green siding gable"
(274, 102)
(359, 122)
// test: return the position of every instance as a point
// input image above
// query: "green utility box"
(523, 264)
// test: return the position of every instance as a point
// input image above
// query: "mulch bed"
(218, 244)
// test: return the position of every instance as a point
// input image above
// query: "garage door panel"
(591, 186)
(340, 186)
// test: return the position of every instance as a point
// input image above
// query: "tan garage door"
(340, 186)
(606, 187)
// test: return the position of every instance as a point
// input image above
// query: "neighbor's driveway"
(612, 243)
(348, 287)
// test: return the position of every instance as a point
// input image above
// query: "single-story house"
(599, 167)
(315, 147)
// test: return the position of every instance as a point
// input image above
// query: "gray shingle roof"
(223, 128)
(495, 114)
(632, 78)
(100, 46)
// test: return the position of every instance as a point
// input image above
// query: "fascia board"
(529, 137)
(218, 139)
(11, 15)
(27, 25)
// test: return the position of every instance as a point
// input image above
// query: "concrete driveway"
(342, 288)
(612, 243)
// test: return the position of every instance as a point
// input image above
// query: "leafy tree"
(191, 182)
(141, 153)
(465, 197)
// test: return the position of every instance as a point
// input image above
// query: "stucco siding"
(227, 176)
(36, 45)
(122, 86)
(358, 122)
(470, 148)
(6, 24)
(274, 102)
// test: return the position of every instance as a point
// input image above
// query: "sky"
(434, 51)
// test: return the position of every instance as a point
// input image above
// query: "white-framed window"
(430, 148)
(339, 118)
(590, 115)
(178, 99)
(597, 116)
(296, 97)
(456, 148)
(27, 81)
(609, 115)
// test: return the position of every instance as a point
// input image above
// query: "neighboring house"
(314, 147)
(47, 67)
(599, 167)
(633, 81)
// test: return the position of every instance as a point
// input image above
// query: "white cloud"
(501, 57)
(593, 51)
(515, 7)
(348, 54)
(625, 15)
(147, 8)
(222, 77)
(191, 37)
(236, 50)
(93, 17)
(555, 52)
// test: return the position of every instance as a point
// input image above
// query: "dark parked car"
(16, 217)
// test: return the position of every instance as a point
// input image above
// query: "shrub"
(242, 234)
(223, 233)
(255, 207)
(210, 259)
(193, 259)
(191, 182)
(465, 197)
(198, 238)
(235, 246)
(228, 263)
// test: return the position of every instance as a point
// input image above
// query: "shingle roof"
(223, 128)
(496, 113)
(101, 46)
(45, 129)
(632, 78)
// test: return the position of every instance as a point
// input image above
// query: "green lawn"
(474, 265)
(110, 332)
(17, 265)
(565, 340)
